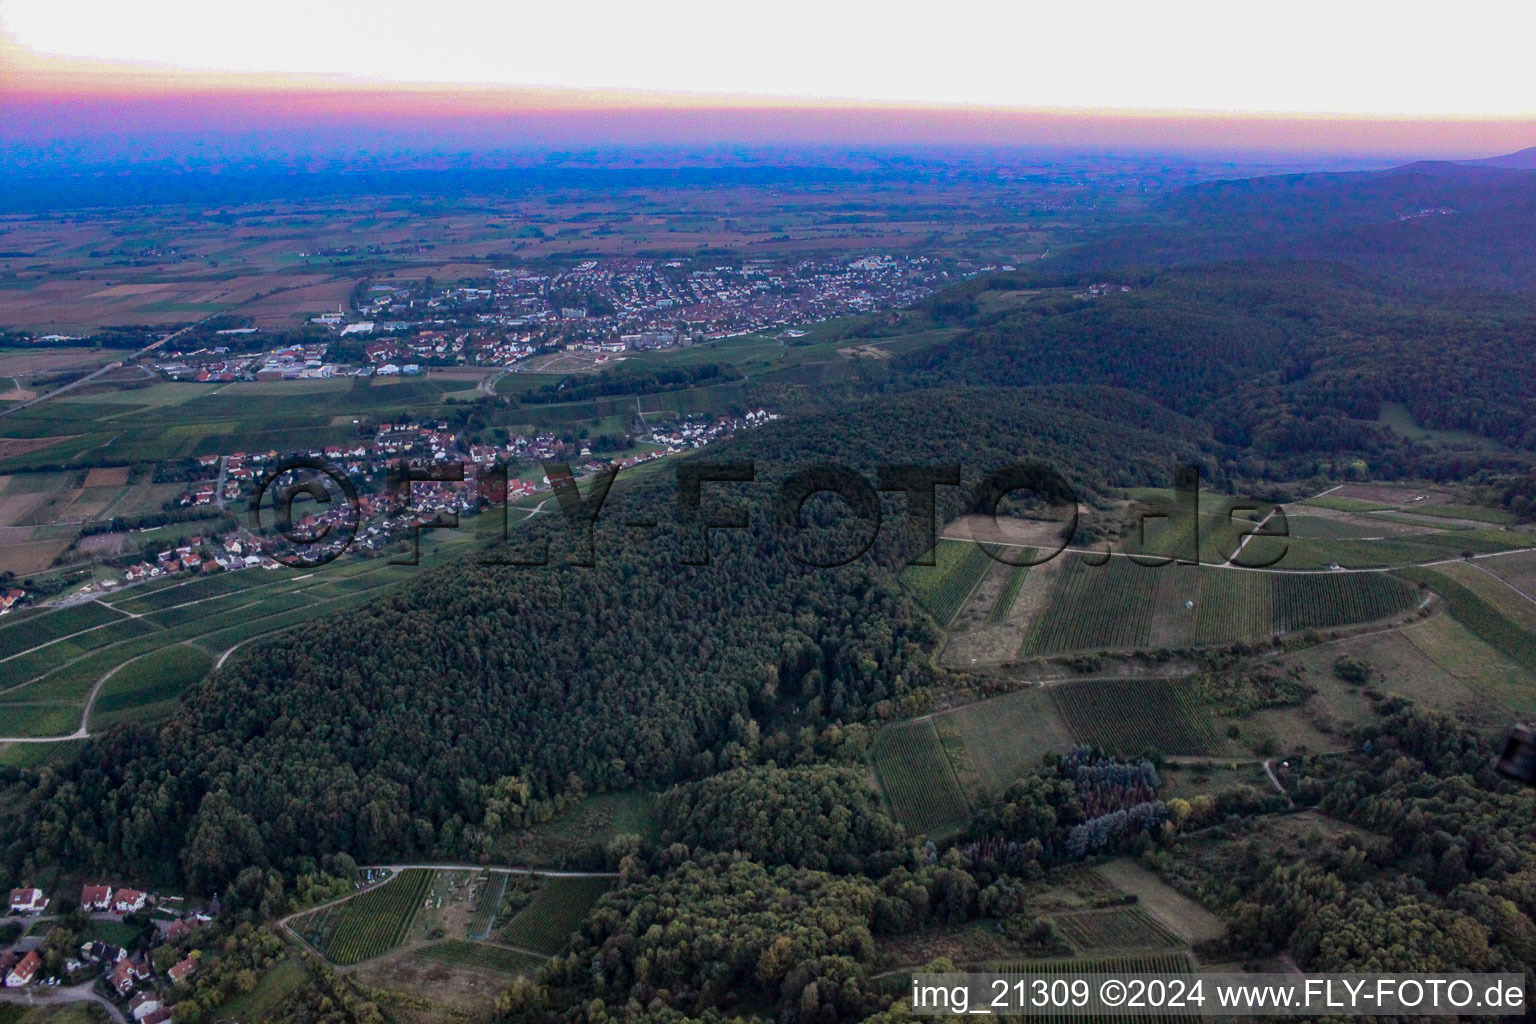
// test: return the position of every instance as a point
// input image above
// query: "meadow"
(483, 956)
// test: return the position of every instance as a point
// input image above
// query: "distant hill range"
(1525, 160)
(1439, 224)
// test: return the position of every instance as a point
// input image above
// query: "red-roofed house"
(128, 901)
(125, 974)
(96, 897)
(180, 971)
(27, 901)
(24, 972)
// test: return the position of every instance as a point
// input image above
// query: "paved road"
(97, 373)
(40, 995)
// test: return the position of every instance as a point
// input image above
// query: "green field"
(1481, 617)
(1232, 605)
(369, 924)
(149, 688)
(1097, 607)
(1127, 716)
(918, 779)
(260, 1003)
(1008, 736)
(482, 955)
(590, 824)
(943, 587)
(558, 908)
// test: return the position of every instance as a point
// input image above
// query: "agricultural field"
(917, 778)
(942, 588)
(91, 642)
(482, 956)
(1096, 931)
(369, 924)
(558, 908)
(1518, 570)
(1130, 715)
(494, 886)
(43, 628)
(1310, 601)
(1232, 605)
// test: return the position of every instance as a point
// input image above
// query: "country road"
(102, 370)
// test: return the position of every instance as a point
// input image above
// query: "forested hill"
(478, 696)
(1289, 362)
(1436, 225)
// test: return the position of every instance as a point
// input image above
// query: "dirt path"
(85, 715)
(34, 995)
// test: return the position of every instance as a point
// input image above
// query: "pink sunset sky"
(1186, 76)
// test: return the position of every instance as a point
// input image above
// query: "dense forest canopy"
(481, 696)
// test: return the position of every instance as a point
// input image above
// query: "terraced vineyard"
(917, 778)
(1121, 928)
(942, 588)
(369, 924)
(1322, 601)
(482, 955)
(1130, 715)
(1096, 607)
(557, 910)
(1010, 591)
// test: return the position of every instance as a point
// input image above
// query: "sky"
(1401, 76)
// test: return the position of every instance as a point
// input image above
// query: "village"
(605, 307)
(122, 947)
(386, 512)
